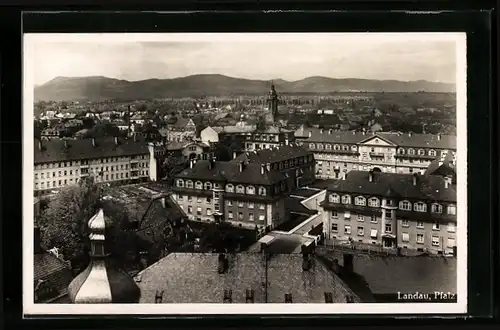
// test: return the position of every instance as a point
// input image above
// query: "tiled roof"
(407, 274)
(401, 140)
(271, 155)
(56, 151)
(193, 278)
(444, 166)
(235, 129)
(230, 171)
(428, 187)
(49, 268)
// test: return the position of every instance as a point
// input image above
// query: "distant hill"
(103, 88)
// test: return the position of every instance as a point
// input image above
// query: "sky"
(254, 56)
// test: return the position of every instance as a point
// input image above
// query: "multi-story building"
(413, 211)
(338, 152)
(243, 191)
(60, 162)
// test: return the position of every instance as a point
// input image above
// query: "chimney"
(250, 296)
(310, 133)
(328, 298)
(241, 166)
(330, 131)
(353, 132)
(321, 131)
(415, 179)
(335, 266)
(287, 142)
(306, 261)
(439, 137)
(159, 297)
(211, 164)
(228, 296)
(262, 168)
(409, 134)
(223, 263)
(447, 182)
(370, 176)
(288, 298)
(135, 137)
(364, 133)
(234, 154)
(37, 240)
(344, 175)
(93, 142)
(65, 143)
(40, 147)
(268, 167)
(116, 140)
(348, 262)
(191, 163)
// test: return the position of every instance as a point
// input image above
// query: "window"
(374, 202)
(251, 190)
(240, 204)
(420, 224)
(404, 223)
(250, 216)
(451, 242)
(406, 237)
(334, 198)
(361, 231)
(432, 152)
(347, 230)
(388, 228)
(229, 203)
(346, 199)
(388, 214)
(262, 191)
(361, 218)
(198, 199)
(250, 205)
(420, 238)
(208, 200)
(436, 208)
(190, 209)
(360, 200)
(198, 185)
(209, 211)
(335, 214)
(411, 151)
(373, 233)
(435, 240)
(230, 188)
(208, 186)
(180, 183)
(347, 215)
(198, 211)
(451, 209)
(335, 227)
(420, 207)
(262, 217)
(401, 151)
(240, 216)
(230, 214)
(262, 206)
(311, 145)
(452, 227)
(373, 219)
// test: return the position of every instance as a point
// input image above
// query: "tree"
(104, 129)
(261, 123)
(171, 166)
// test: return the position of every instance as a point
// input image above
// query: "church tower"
(101, 282)
(272, 101)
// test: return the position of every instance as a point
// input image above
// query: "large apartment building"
(249, 191)
(61, 162)
(410, 211)
(338, 152)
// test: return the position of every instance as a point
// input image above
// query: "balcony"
(407, 156)
(377, 154)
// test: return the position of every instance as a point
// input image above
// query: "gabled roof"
(430, 187)
(444, 166)
(343, 137)
(193, 278)
(56, 151)
(421, 140)
(271, 155)
(49, 268)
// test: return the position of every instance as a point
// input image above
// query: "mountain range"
(103, 88)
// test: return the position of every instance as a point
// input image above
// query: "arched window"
(436, 208)
(208, 185)
(320, 146)
(360, 200)
(180, 183)
(451, 209)
(345, 148)
(405, 205)
(432, 152)
(229, 188)
(240, 189)
(311, 145)
(334, 198)
(262, 191)
(401, 151)
(411, 151)
(374, 202)
(421, 152)
(251, 190)
(189, 184)
(336, 147)
(354, 148)
(198, 185)
(328, 146)
(346, 199)
(420, 207)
